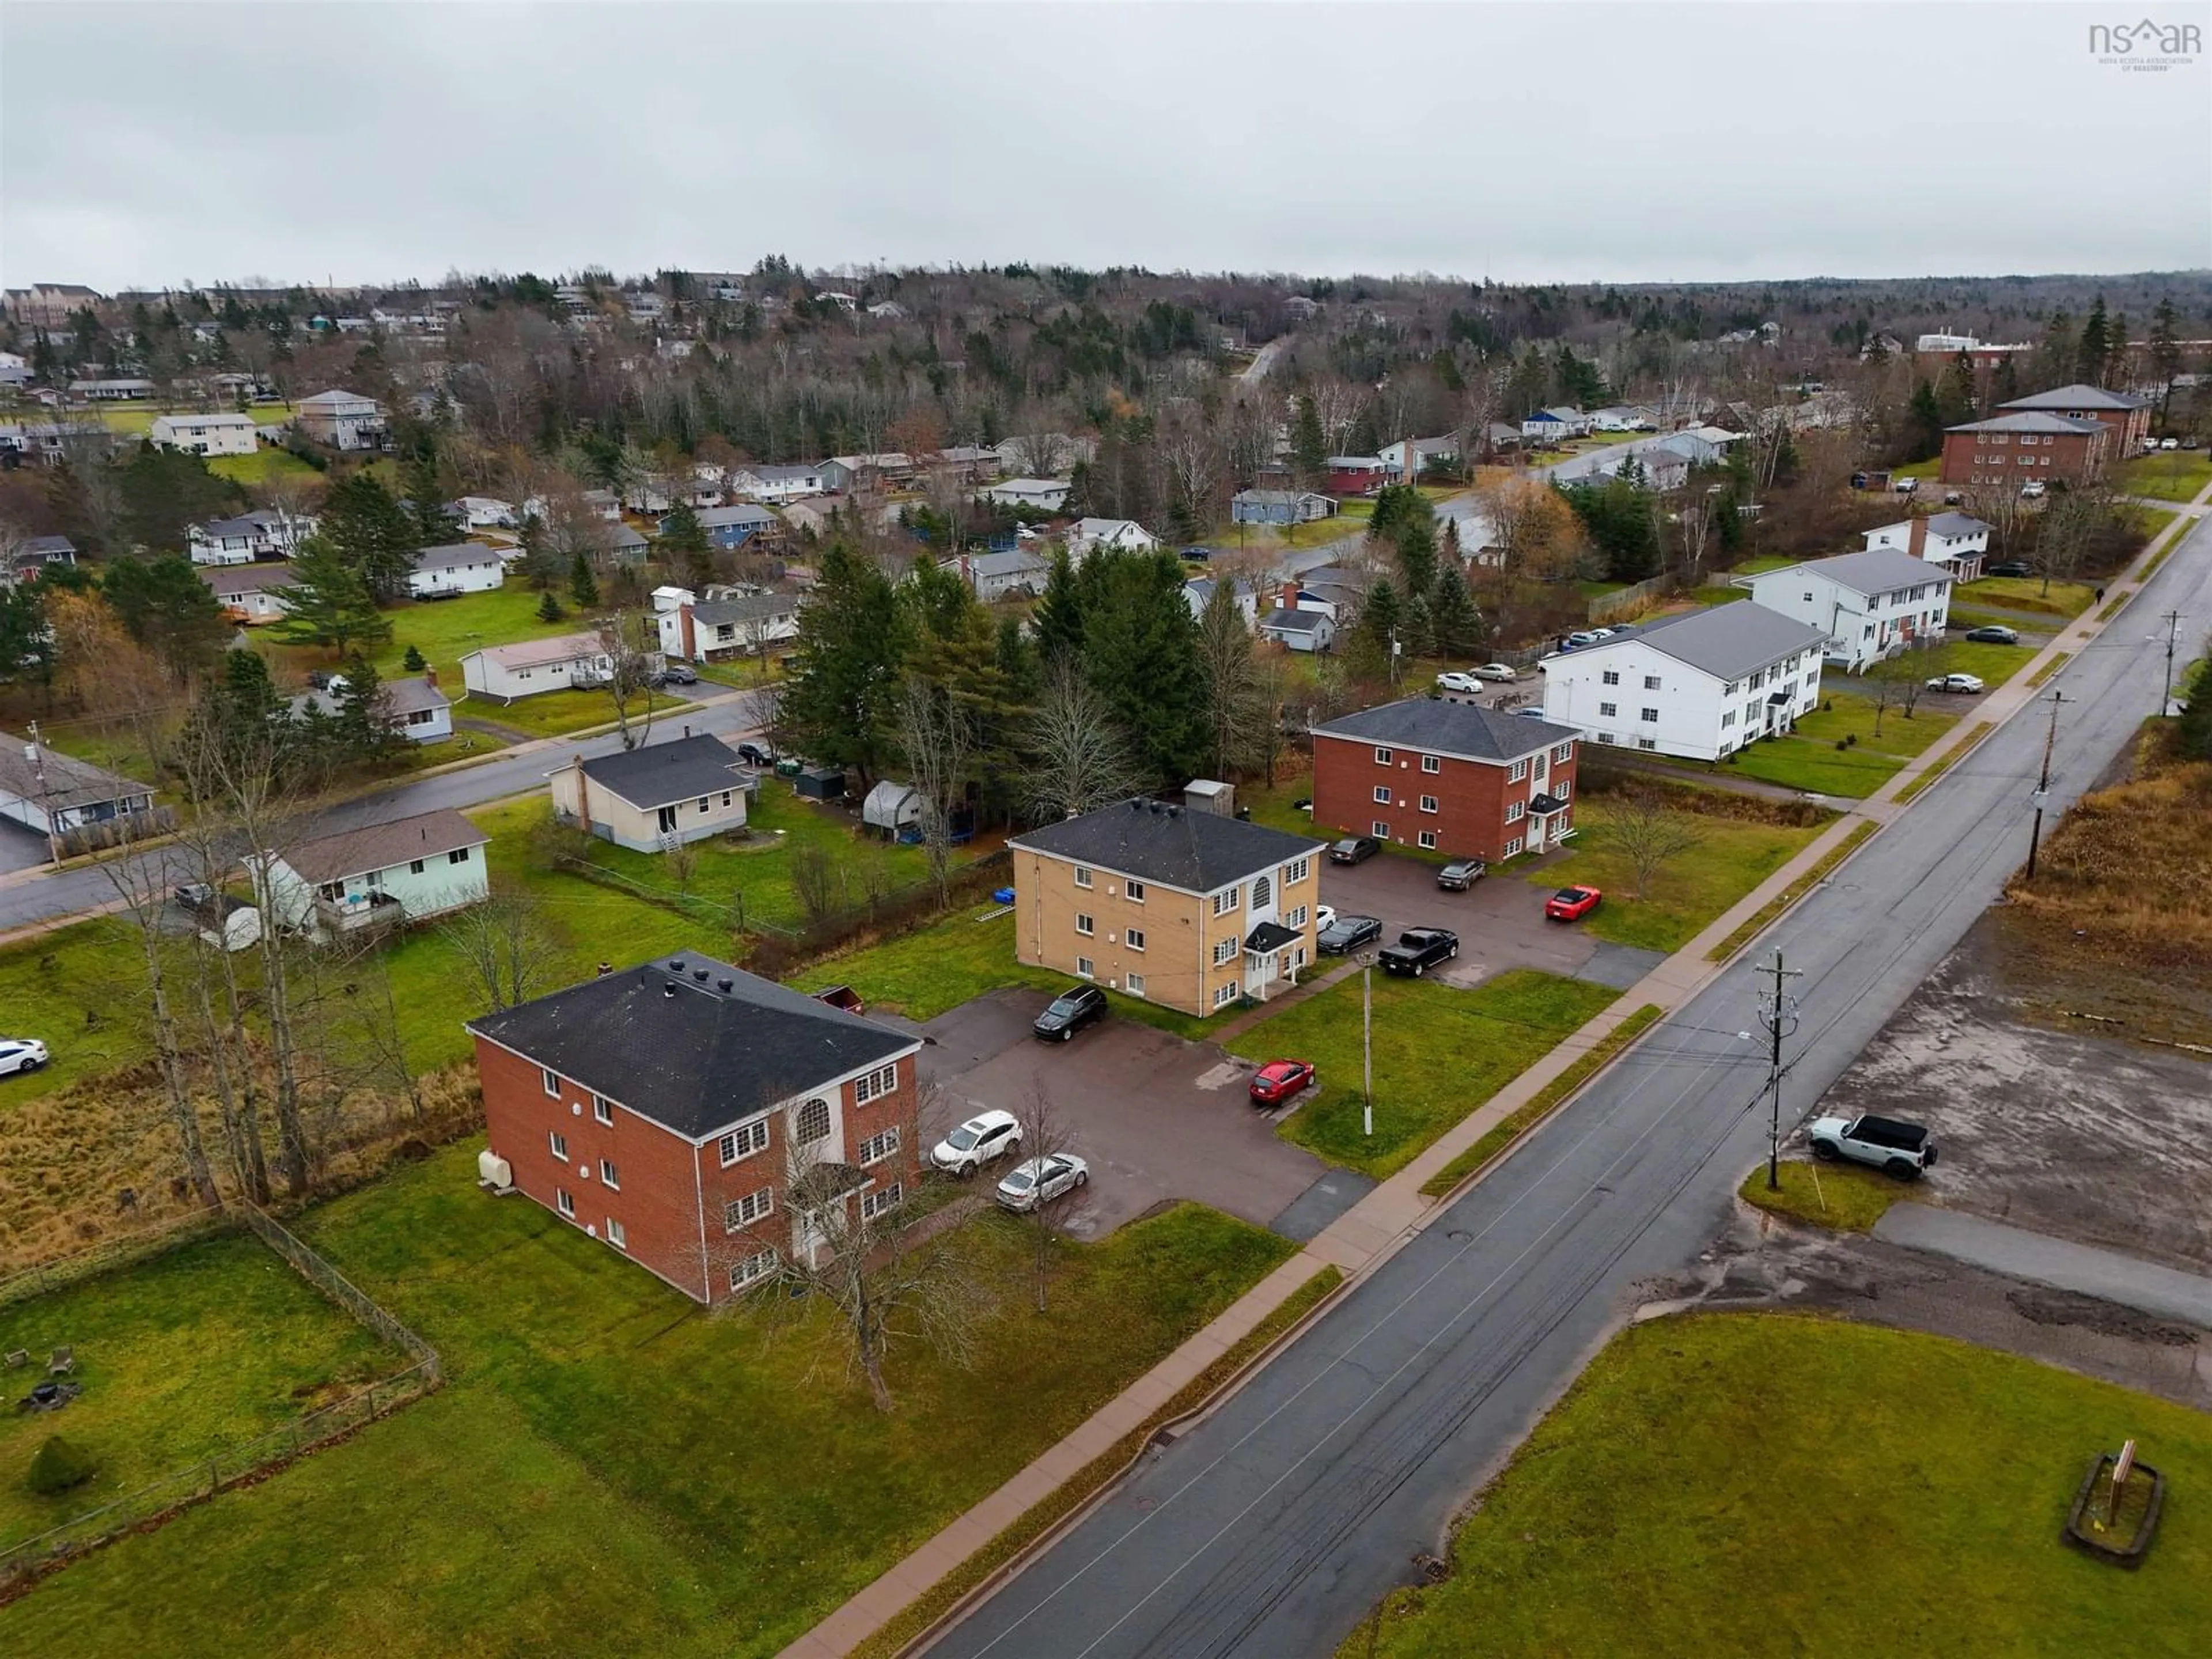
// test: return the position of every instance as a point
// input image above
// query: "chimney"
(1918, 538)
(430, 678)
(583, 791)
(1288, 599)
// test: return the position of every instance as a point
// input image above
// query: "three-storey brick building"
(1448, 777)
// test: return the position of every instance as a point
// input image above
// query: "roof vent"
(677, 966)
(725, 986)
(699, 974)
(1174, 811)
(668, 988)
(1136, 803)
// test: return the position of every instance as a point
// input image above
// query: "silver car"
(1042, 1180)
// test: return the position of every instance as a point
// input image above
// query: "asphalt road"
(28, 898)
(1272, 1527)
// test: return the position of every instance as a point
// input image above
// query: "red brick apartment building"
(2123, 414)
(2026, 448)
(666, 1111)
(1451, 777)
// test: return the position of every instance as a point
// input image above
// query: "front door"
(1258, 970)
(667, 820)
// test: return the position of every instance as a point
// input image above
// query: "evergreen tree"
(2093, 351)
(583, 587)
(371, 534)
(549, 608)
(841, 700)
(1309, 444)
(1954, 399)
(167, 608)
(2116, 355)
(1453, 619)
(1924, 422)
(435, 524)
(1141, 653)
(1234, 707)
(1019, 663)
(1417, 552)
(2004, 385)
(414, 662)
(1057, 616)
(360, 714)
(329, 601)
(2165, 354)
(1381, 624)
(27, 644)
(684, 548)
(240, 713)
(1416, 634)
(2194, 728)
(165, 491)
(541, 564)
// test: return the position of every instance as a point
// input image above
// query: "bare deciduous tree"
(1649, 831)
(938, 736)
(627, 640)
(504, 942)
(1082, 759)
(1045, 1136)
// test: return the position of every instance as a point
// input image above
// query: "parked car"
(1455, 681)
(1994, 635)
(1503, 673)
(679, 673)
(1354, 849)
(2169, 443)
(1324, 918)
(1965, 684)
(1571, 903)
(1584, 636)
(1070, 1012)
(1904, 1150)
(2012, 568)
(986, 1136)
(1347, 934)
(2033, 490)
(1419, 950)
(1460, 874)
(1534, 713)
(1278, 1079)
(194, 896)
(1040, 1179)
(21, 1055)
(757, 754)
(1954, 497)
(1906, 486)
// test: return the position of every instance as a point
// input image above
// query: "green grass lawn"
(1772, 1483)
(1848, 1196)
(267, 465)
(1808, 759)
(2176, 476)
(1973, 616)
(445, 629)
(556, 713)
(1922, 469)
(1731, 858)
(2026, 594)
(1492, 1035)
(78, 989)
(1719, 593)
(611, 1469)
(208, 1346)
(1993, 663)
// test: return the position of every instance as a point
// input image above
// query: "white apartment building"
(1871, 605)
(204, 434)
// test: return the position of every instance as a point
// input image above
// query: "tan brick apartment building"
(667, 1109)
(1448, 777)
(1190, 908)
(2025, 447)
(2123, 414)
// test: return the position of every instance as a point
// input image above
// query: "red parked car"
(1278, 1079)
(1571, 903)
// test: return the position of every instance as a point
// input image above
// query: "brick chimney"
(1917, 537)
(1288, 599)
(430, 678)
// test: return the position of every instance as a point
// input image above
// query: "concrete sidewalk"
(1375, 1228)
(2041, 1259)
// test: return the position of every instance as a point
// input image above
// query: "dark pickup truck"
(1419, 950)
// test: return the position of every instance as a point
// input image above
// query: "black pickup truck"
(1419, 950)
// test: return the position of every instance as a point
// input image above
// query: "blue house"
(732, 526)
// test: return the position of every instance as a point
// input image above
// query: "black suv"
(756, 754)
(1419, 950)
(1070, 1012)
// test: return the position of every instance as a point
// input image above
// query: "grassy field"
(2026, 594)
(1731, 858)
(78, 988)
(1995, 663)
(1756, 923)
(265, 465)
(1492, 1034)
(1770, 1484)
(212, 1344)
(1845, 1195)
(610, 1469)
(1808, 759)
(2175, 476)
(443, 630)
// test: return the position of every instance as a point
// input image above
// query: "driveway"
(1499, 921)
(1157, 1118)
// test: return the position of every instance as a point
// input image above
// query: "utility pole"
(1367, 1045)
(2166, 697)
(34, 752)
(1778, 1011)
(2043, 783)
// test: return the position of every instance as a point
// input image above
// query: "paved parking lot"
(1499, 921)
(1157, 1118)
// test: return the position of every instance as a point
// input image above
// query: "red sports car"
(1278, 1079)
(1571, 903)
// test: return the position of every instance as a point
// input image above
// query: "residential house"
(2027, 446)
(2123, 414)
(1357, 475)
(660, 796)
(763, 481)
(1705, 446)
(1296, 628)
(251, 593)
(1499, 438)
(724, 625)
(111, 392)
(1656, 466)
(963, 464)
(484, 512)
(1192, 910)
(510, 672)
(652, 495)
(844, 472)
(1089, 536)
(407, 870)
(1957, 541)
(54, 794)
(994, 575)
(1198, 593)
(734, 526)
(1448, 777)
(812, 517)
(1624, 417)
(1281, 507)
(205, 435)
(1554, 425)
(1700, 685)
(616, 543)
(248, 539)
(14, 369)
(1037, 495)
(414, 707)
(29, 558)
(706, 1123)
(459, 567)
(51, 443)
(1871, 605)
(1408, 459)
(1046, 453)
(603, 504)
(344, 419)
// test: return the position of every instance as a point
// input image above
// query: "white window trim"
(729, 1146)
(603, 1109)
(558, 1143)
(1133, 937)
(607, 1173)
(551, 1081)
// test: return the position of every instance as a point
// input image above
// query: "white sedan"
(1042, 1180)
(1503, 673)
(1967, 684)
(21, 1055)
(1324, 918)
(1455, 681)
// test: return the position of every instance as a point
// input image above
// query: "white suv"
(19, 1054)
(986, 1136)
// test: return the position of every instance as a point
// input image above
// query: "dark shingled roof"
(1452, 728)
(2077, 397)
(1197, 851)
(695, 1054)
(661, 773)
(380, 846)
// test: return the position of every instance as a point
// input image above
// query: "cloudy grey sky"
(151, 143)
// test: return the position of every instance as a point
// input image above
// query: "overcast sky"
(150, 144)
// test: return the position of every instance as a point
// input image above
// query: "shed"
(821, 783)
(891, 807)
(226, 923)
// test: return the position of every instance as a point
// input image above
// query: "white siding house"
(1699, 686)
(344, 419)
(401, 872)
(204, 434)
(244, 540)
(1090, 535)
(1039, 495)
(443, 573)
(513, 672)
(765, 482)
(1956, 541)
(1871, 605)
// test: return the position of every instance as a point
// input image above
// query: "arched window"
(1262, 890)
(813, 1122)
